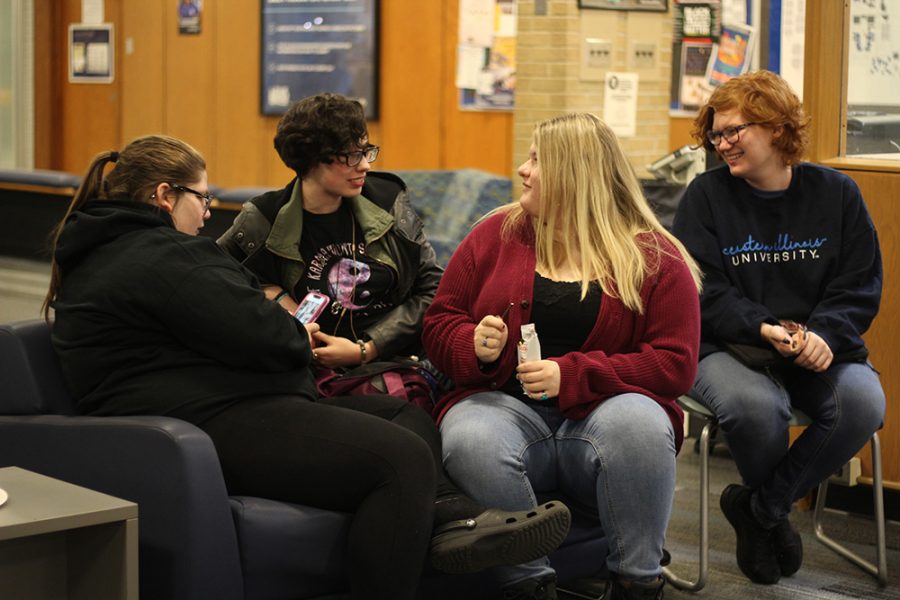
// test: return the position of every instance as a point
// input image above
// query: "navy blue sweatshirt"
(809, 253)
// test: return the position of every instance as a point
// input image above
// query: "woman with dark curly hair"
(339, 231)
(793, 277)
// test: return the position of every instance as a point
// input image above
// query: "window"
(873, 102)
(16, 84)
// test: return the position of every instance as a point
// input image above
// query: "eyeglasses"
(351, 159)
(206, 198)
(729, 134)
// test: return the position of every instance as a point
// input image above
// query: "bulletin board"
(314, 46)
(486, 55)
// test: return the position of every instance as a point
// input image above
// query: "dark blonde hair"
(765, 99)
(140, 166)
(593, 211)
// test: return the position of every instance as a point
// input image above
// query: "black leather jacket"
(265, 238)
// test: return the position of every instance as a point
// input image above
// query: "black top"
(333, 247)
(562, 321)
(153, 321)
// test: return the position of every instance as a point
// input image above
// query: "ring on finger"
(544, 396)
(484, 342)
(315, 356)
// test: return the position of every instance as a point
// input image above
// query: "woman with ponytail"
(151, 319)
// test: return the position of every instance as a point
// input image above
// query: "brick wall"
(550, 76)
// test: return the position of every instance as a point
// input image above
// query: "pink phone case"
(311, 307)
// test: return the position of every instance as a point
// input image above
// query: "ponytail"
(90, 188)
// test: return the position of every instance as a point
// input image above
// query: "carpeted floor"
(824, 574)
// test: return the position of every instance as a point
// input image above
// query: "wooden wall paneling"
(143, 69)
(408, 127)
(242, 154)
(47, 93)
(680, 132)
(825, 76)
(881, 191)
(471, 139)
(92, 121)
(190, 100)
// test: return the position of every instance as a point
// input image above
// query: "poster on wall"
(189, 12)
(91, 53)
(486, 55)
(620, 94)
(694, 90)
(731, 56)
(314, 46)
(697, 25)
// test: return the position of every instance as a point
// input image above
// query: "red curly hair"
(765, 99)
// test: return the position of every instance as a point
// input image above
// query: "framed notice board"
(313, 46)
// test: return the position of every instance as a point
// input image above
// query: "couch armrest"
(188, 546)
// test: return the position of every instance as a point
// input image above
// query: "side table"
(62, 541)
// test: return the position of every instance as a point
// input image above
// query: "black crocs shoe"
(532, 589)
(788, 547)
(755, 552)
(498, 537)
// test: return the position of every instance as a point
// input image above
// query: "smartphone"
(311, 307)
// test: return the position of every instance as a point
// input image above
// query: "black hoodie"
(153, 321)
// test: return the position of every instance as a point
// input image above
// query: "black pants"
(373, 456)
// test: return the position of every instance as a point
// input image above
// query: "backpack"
(406, 379)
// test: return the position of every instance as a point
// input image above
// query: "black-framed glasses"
(351, 159)
(729, 134)
(206, 198)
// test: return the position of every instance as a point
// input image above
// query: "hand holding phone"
(311, 307)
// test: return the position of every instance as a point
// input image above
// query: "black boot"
(788, 547)
(756, 556)
(532, 589)
(619, 589)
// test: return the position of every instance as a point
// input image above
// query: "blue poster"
(314, 46)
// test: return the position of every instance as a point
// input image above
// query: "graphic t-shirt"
(337, 265)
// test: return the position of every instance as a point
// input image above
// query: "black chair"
(196, 542)
(698, 410)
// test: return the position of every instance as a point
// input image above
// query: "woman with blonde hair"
(793, 279)
(613, 299)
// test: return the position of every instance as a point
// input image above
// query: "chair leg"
(674, 580)
(880, 571)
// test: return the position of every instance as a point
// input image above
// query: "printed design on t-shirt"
(784, 249)
(349, 277)
(345, 279)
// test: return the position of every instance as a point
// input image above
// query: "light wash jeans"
(846, 405)
(620, 459)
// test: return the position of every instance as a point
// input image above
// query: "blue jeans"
(620, 459)
(845, 403)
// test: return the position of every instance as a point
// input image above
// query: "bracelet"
(362, 352)
(280, 295)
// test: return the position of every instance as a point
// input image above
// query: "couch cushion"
(290, 546)
(31, 381)
(450, 202)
